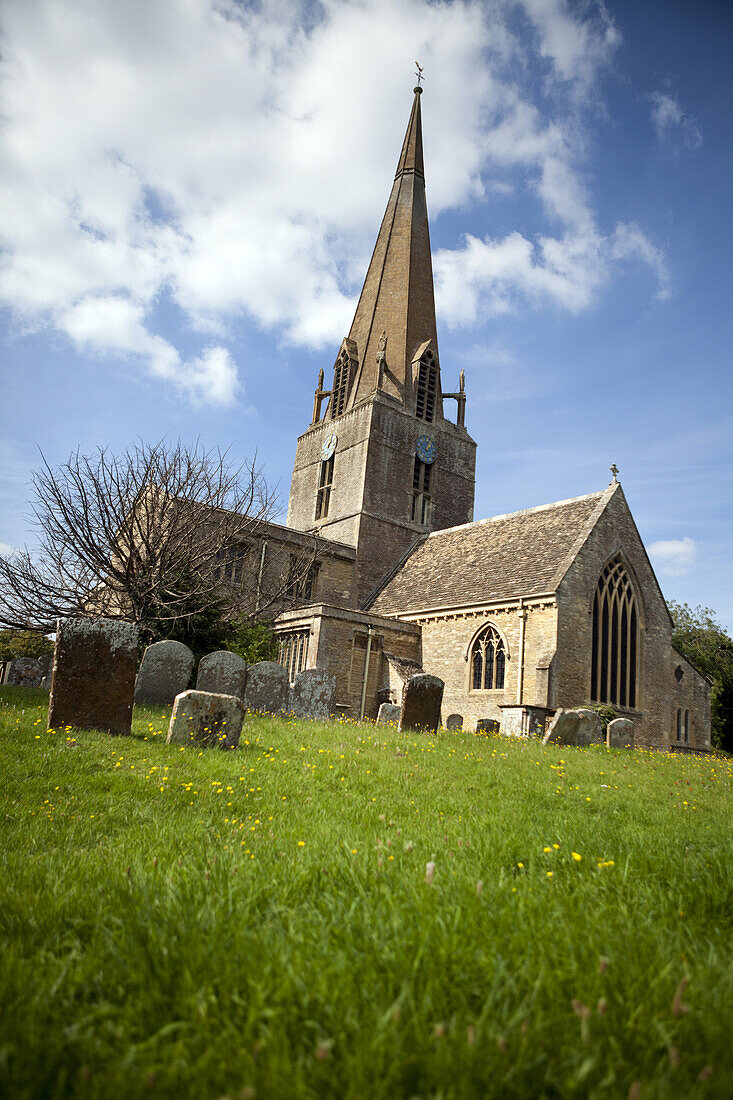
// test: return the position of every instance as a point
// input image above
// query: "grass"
(183, 923)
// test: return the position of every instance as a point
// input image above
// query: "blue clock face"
(328, 447)
(425, 449)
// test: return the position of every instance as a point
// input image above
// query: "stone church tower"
(380, 466)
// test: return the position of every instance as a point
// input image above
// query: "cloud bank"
(232, 159)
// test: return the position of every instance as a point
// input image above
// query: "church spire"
(396, 311)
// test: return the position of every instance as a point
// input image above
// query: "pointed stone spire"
(397, 299)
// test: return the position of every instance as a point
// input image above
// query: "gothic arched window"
(341, 379)
(488, 660)
(615, 656)
(427, 387)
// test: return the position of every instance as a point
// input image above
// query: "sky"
(190, 191)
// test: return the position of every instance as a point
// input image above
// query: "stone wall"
(613, 532)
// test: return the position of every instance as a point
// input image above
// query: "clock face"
(425, 449)
(328, 447)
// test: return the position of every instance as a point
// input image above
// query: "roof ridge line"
(522, 512)
(585, 533)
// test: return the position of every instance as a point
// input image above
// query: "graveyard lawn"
(190, 923)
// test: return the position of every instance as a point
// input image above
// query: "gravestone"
(487, 725)
(312, 694)
(164, 673)
(454, 722)
(223, 672)
(421, 703)
(389, 714)
(267, 688)
(575, 727)
(93, 675)
(207, 719)
(620, 734)
(25, 672)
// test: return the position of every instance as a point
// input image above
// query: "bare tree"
(158, 534)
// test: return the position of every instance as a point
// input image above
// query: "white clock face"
(328, 447)
(425, 449)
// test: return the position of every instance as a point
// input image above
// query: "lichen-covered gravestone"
(389, 714)
(421, 703)
(223, 672)
(312, 694)
(267, 688)
(454, 722)
(164, 673)
(25, 672)
(93, 675)
(206, 718)
(620, 734)
(575, 727)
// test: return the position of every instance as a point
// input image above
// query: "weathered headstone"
(421, 703)
(312, 694)
(620, 734)
(164, 673)
(575, 727)
(223, 672)
(487, 725)
(388, 714)
(206, 718)
(454, 722)
(93, 675)
(267, 688)
(25, 672)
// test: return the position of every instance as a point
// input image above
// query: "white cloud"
(228, 156)
(671, 122)
(673, 556)
(6, 549)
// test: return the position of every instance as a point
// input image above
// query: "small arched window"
(687, 727)
(488, 661)
(679, 724)
(427, 387)
(615, 654)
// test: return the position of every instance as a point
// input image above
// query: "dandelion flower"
(576, 857)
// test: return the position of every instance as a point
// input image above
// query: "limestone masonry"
(519, 615)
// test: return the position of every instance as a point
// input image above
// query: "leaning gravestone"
(25, 672)
(488, 725)
(454, 722)
(223, 672)
(312, 694)
(206, 718)
(93, 675)
(164, 673)
(421, 703)
(267, 688)
(388, 714)
(620, 734)
(575, 727)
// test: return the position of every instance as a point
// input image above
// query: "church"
(519, 614)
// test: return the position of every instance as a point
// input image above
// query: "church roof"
(519, 554)
(397, 298)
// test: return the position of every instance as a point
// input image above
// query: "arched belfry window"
(341, 382)
(615, 656)
(488, 660)
(427, 387)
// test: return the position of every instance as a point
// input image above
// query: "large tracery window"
(427, 387)
(488, 661)
(615, 656)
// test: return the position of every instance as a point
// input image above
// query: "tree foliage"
(707, 645)
(166, 535)
(24, 643)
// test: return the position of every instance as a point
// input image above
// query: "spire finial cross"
(614, 471)
(418, 74)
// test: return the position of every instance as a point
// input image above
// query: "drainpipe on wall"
(520, 671)
(366, 672)
(261, 570)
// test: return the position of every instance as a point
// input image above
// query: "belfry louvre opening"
(427, 388)
(615, 655)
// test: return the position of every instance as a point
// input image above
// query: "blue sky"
(190, 191)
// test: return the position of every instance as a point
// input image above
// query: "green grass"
(189, 924)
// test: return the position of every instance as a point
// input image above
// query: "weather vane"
(418, 74)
